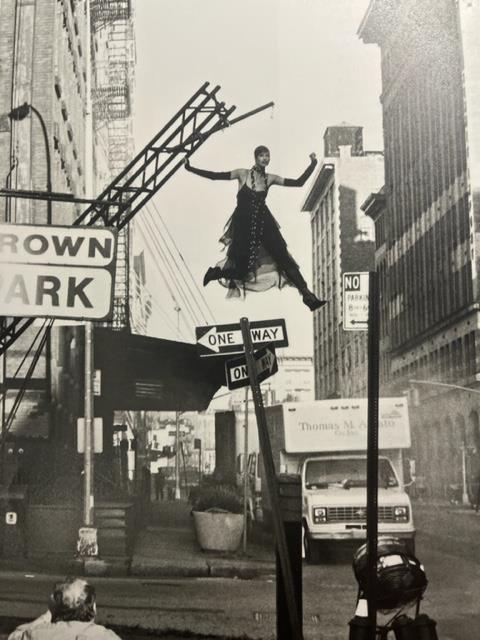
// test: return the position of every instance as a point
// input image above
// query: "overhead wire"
(171, 271)
(190, 295)
(168, 320)
(185, 298)
(172, 241)
(159, 268)
(176, 265)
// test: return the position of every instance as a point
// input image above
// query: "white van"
(325, 442)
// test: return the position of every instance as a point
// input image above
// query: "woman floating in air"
(257, 256)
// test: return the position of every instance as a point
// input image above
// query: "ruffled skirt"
(257, 258)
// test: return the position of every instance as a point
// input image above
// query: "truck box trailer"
(325, 441)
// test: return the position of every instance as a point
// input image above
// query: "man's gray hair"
(72, 599)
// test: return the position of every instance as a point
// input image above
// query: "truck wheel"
(312, 549)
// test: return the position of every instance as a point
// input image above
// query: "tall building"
(342, 241)
(140, 298)
(375, 207)
(431, 126)
(43, 53)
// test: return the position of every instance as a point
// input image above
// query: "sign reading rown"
(56, 271)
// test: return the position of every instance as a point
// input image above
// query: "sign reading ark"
(59, 272)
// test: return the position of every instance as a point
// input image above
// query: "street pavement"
(235, 608)
(229, 607)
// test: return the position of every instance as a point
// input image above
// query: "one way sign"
(227, 338)
(237, 373)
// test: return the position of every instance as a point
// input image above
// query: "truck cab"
(325, 442)
(334, 494)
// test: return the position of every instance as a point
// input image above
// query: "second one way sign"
(237, 373)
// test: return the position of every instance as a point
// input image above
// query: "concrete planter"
(218, 531)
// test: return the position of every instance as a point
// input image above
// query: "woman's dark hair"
(261, 149)
(72, 599)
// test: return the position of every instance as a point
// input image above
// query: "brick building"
(428, 252)
(43, 51)
(342, 241)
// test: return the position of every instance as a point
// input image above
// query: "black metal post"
(270, 476)
(372, 450)
(290, 493)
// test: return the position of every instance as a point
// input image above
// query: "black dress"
(257, 256)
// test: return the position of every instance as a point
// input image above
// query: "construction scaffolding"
(114, 61)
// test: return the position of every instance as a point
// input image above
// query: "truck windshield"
(346, 473)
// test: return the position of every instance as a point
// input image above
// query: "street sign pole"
(372, 451)
(87, 544)
(272, 485)
(245, 475)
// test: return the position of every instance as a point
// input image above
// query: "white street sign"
(355, 301)
(11, 517)
(237, 371)
(39, 244)
(59, 272)
(97, 435)
(227, 338)
(52, 291)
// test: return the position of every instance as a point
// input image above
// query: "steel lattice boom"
(201, 116)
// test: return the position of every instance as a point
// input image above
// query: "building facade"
(342, 242)
(42, 53)
(429, 256)
(43, 56)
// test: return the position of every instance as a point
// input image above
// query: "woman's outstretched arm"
(300, 181)
(213, 175)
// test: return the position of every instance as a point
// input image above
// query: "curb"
(120, 568)
(206, 569)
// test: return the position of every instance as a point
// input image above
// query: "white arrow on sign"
(215, 340)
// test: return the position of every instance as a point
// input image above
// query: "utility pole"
(177, 455)
(88, 456)
(177, 425)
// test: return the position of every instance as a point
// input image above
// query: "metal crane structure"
(200, 117)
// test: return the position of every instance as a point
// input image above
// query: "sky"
(306, 56)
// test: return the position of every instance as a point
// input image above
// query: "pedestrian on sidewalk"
(159, 484)
(70, 616)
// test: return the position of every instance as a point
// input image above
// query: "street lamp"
(20, 113)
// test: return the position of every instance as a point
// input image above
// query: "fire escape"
(112, 29)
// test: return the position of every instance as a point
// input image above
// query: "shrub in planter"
(217, 498)
(217, 513)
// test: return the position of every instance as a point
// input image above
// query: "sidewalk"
(168, 547)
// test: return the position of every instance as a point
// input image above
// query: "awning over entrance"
(151, 374)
